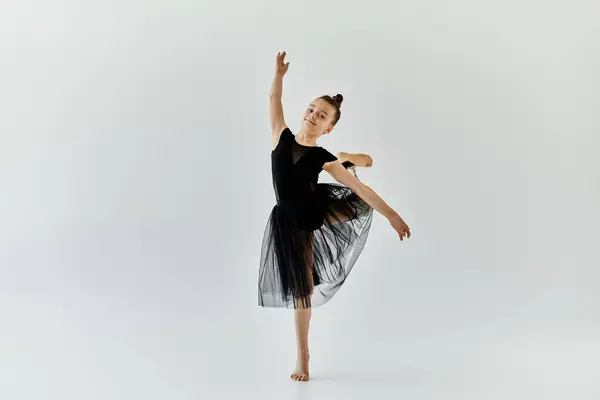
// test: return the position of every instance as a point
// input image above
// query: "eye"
(322, 116)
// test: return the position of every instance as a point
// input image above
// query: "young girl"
(316, 231)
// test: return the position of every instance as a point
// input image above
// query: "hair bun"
(338, 99)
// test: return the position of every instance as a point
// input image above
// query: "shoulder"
(326, 157)
(280, 134)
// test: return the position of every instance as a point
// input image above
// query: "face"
(318, 118)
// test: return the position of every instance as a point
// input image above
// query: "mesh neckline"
(303, 145)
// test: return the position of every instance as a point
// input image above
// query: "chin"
(310, 126)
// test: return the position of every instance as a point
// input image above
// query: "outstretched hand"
(400, 226)
(281, 67)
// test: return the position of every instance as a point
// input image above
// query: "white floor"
(105, 316)
(96, 350)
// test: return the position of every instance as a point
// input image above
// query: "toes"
(299, 377)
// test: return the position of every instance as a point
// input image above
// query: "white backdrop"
(135, 182)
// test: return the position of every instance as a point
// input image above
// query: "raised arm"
(276, 118)
(341, 174)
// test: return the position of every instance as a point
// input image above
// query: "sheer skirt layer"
(309, 249)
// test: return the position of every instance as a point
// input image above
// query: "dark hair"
(335, 101)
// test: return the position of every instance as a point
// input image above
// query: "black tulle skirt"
(310, 247)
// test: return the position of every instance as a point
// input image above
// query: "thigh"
(305, 245)
(339, 212)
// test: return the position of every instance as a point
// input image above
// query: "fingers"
(283, 63)
(404, 232)
(401, 227)
(281, 57)
(280, 65)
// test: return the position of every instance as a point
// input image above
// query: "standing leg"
(302, 321)
(303, 313)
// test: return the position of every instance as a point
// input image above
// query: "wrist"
(393, 215)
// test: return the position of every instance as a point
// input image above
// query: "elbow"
(360, 189)
(365, 191)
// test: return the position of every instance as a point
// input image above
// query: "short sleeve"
(286, 132)
(328, 157)
(284, 136)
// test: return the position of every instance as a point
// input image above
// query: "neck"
(305, 139)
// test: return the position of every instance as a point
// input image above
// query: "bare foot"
(301, 372)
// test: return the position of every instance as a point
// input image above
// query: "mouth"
(309, 121)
